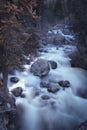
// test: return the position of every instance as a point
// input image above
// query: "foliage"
(17, 19)
(78, 11)
(16, 16)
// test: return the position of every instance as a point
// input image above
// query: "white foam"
(64, 109)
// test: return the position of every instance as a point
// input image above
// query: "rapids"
(64, 109)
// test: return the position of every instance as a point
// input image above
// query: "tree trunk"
(5, 80)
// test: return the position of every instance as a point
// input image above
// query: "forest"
(43, 64)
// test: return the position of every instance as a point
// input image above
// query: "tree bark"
(5, 80)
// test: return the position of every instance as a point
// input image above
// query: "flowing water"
(64, 109)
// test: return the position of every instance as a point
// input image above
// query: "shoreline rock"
(7, 113)
(79, 60)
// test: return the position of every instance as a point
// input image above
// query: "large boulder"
(40, 67)
(17, 92)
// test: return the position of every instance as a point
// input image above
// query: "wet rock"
(53, 105)
(28, 61)
(7, 112)
(11, 126)
(81, 126)
(11, 123)
(66, 31)
(64, 83)
(40, 67)
(12, 99)
(53, 87)
(42, 50)
(17, 92)
(81, 92)
(45, 97)
(12, 114)
(79, 60)
(23, 95)
(36, 93)
(3, 122)
(14, 79)
(59, 39)
(55, 39)
(53, 64)
(44, 84)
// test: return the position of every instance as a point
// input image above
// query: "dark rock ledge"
(7, 112)
(81, 126)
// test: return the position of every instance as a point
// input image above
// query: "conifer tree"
(12, 33)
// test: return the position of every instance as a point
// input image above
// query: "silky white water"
(64, 109)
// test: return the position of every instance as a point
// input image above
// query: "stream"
(62, 110)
